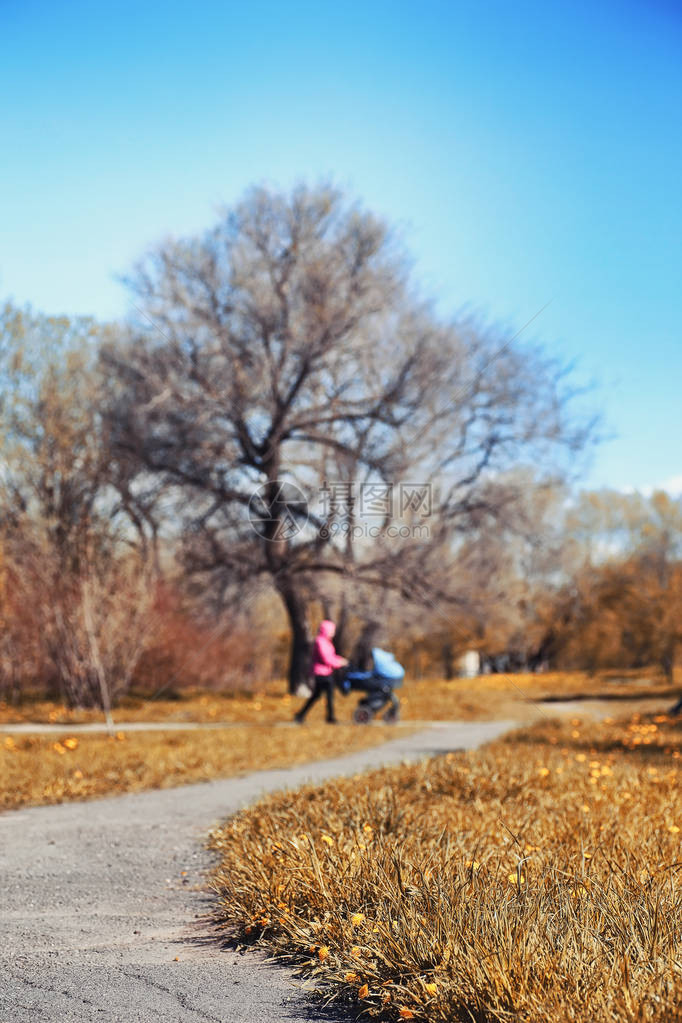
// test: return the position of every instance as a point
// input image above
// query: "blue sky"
(528, 151)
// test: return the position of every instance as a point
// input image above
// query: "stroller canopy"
(385, 665)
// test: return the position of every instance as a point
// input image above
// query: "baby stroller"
(378, 685)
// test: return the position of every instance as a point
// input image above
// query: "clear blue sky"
(528, 150)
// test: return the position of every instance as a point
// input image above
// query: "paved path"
(99, 922)
(43, 728)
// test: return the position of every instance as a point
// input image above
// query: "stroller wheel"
(362, 715)
(392, 715)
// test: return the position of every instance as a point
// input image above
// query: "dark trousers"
(324, 684)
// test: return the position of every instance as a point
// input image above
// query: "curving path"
(104, 917)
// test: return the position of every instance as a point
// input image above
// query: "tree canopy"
(289, 344)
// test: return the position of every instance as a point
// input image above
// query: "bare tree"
(287, 345)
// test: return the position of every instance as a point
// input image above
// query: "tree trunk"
(448, 661)
(341, 626)
(361, 658)
(297, 612)
(668, 661)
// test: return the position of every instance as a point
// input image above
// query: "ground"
(537, 879)
(153, 745)
(105, 911)
(105, 902)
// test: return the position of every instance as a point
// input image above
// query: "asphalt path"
(96, 727)
(104, 911)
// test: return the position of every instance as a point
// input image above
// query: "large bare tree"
(288, 345)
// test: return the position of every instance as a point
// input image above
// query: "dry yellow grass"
(537, 880)
(522, 697)
(42, 775)
(272, 704)
(38, 769)
(502, 697)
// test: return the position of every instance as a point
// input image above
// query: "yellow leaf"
(431, 988)
(328, 840)
(673, 829)
(351, 978)
(323, 953)
(406, 1013)
(363, 991)
(357, 918)
(543, 772)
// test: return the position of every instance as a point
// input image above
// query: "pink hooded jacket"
(325, 657)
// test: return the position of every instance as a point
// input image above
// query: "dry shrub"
(99, 631)
(535, 880)
(77, 629)
(189, 649)
(23, 659)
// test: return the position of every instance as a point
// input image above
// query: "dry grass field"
(538, 879)
(39, 769)
(502, 697)
(529, 697)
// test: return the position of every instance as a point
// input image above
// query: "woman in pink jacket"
(325, 661)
